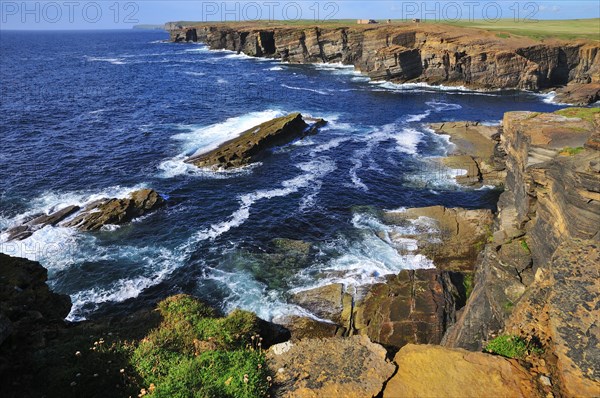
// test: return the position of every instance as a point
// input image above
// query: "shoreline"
(405, 54)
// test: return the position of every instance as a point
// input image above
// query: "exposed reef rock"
(413, 307)
(116, 211)
(94, 216)
(452, 238)
(436, 54)
(433, 371)
(476, 149)
(335, 367)
(252, 143)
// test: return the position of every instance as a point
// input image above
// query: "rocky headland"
(510, 306)
(429, 53)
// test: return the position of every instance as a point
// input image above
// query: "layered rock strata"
(252, 143)
(436, 54)
(94, 216)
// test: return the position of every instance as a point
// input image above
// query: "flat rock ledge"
(333, 367)
(94, 216)
(251, 144)
(434, 371)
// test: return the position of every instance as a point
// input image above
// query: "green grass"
(540, 30)
(511, 347)
(570, 151)
(193, 353)
(468, 284)
(582, 113)
(525, 246)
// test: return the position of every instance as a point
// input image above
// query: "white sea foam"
(201, 139)
(425, 87)
(314, 171)
(195, 73)
(306, 89)
(248, 293)
(158, 263)
(366, 260)
(114, 61)
(275, 68)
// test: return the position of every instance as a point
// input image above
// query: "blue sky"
(113, 14)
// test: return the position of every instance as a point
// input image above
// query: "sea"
(86, 115)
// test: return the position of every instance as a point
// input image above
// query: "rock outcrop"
(433, 371)
(94, 216)
(436, 54)
(116, 211)
(538, 277)
(476, 149)
(30, 313)
(252, 143)
(413, 307)
(452, 238)
(334, 367)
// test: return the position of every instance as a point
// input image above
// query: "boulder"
(302, 328)
(413, 307)
(252, 143)
(334, 367)
(116, 211)
(327, 302)
(434, 371)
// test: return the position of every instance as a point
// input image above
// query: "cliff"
(431, 53)
(538, 277)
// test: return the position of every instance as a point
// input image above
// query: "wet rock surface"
(252, 143)
(94, 216)
(451, 237)
(334, 367)
(475, 151)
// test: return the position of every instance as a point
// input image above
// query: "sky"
(113, 14)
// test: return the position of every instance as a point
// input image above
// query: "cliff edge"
(430, 53)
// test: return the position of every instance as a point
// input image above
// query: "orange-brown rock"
(434, 371)
(433, 53)
(474, 150)
(452, 238)
(562, 310)
(334, 367)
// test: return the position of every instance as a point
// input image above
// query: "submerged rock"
(116, 211)
(252, 143)
(433, 371)
(334, 367)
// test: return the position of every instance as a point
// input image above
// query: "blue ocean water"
(92, 114)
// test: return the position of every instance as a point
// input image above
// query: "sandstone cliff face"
(538, 278)
(405, 53)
